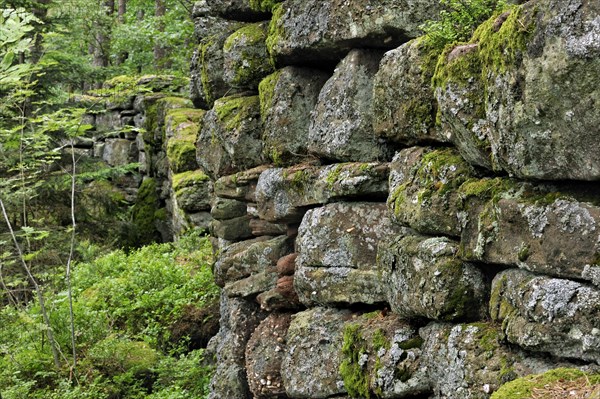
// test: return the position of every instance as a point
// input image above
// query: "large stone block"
(545, 232)
(207, 80)
(469, 361)
(404, 105)
(341, 123)
(315, 31)
(381, 357)
(313, 336)
(245, 57)
(192, 190)
(425, 190)
(425, 279)
(119, 152)
(337, 247)
(229, 140)
(546, 314)
(240, 186)
(264, 354)
(240, 260)
(287, 97)
(181, 132)
(286, 194)
(238, 320)
(539, 68)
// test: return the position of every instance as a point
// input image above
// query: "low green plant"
(458, 20)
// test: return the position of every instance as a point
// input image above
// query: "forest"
(88, 310)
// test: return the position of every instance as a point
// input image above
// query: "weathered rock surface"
(314, 335)
(337, 247)
(540, 69)
(245, 57)
(223, 208)
(253, 285)
(424, 189)
(207, 80)
(235, 229)
(192, 190)
(542, 233)
(546, 314)
(284, 195)
(238, 320)
(282, 297)
(425, 279)
(404, 105)
(119, 152)
(287, 97)
(240, 186)
(469, 360)
(240, 260)
(229, 140)
(341, 123)
(235, 9)
(381, 354)
(264, 354)
(181, 132)
(307, 31)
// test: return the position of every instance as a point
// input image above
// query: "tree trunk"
(160, 49)
(103, 38)
(122, 9)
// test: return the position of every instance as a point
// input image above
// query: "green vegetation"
(128, 312)
(353, 371)
(233, 111)
(523, 388)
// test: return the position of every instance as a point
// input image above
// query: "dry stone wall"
(390, 222)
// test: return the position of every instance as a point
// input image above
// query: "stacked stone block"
(393, 220)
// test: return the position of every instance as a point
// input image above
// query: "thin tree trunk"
(37, 287)
(122, 9)
(102, 39)
(70, 259)
(160, 50)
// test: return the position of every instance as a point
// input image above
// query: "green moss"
(490, 337)
(232, 111)
(250, 34)
(334, 175)
(299, 180)
(523, 252)
(181, 152)
(498, 50)
(177, 116)
(398, 198)
(412, 343)
(188, 179)
(443, 170)
(266, 92)
(144, 214)
(275, 156)
(380, 340)
(523, 388)
(251, 65)
(355, 376)
(263, 5)
(206, 51)
(150, 125)
(275, 30)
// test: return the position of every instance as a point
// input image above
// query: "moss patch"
(354, 368)
(275, 30)
(188, 179)
(523, 388)
(144, 215)
(263, 5)
(248, 49)
(232, 111)
(266, 92)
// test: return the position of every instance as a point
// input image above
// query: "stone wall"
(388, 220)
(390, 225)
